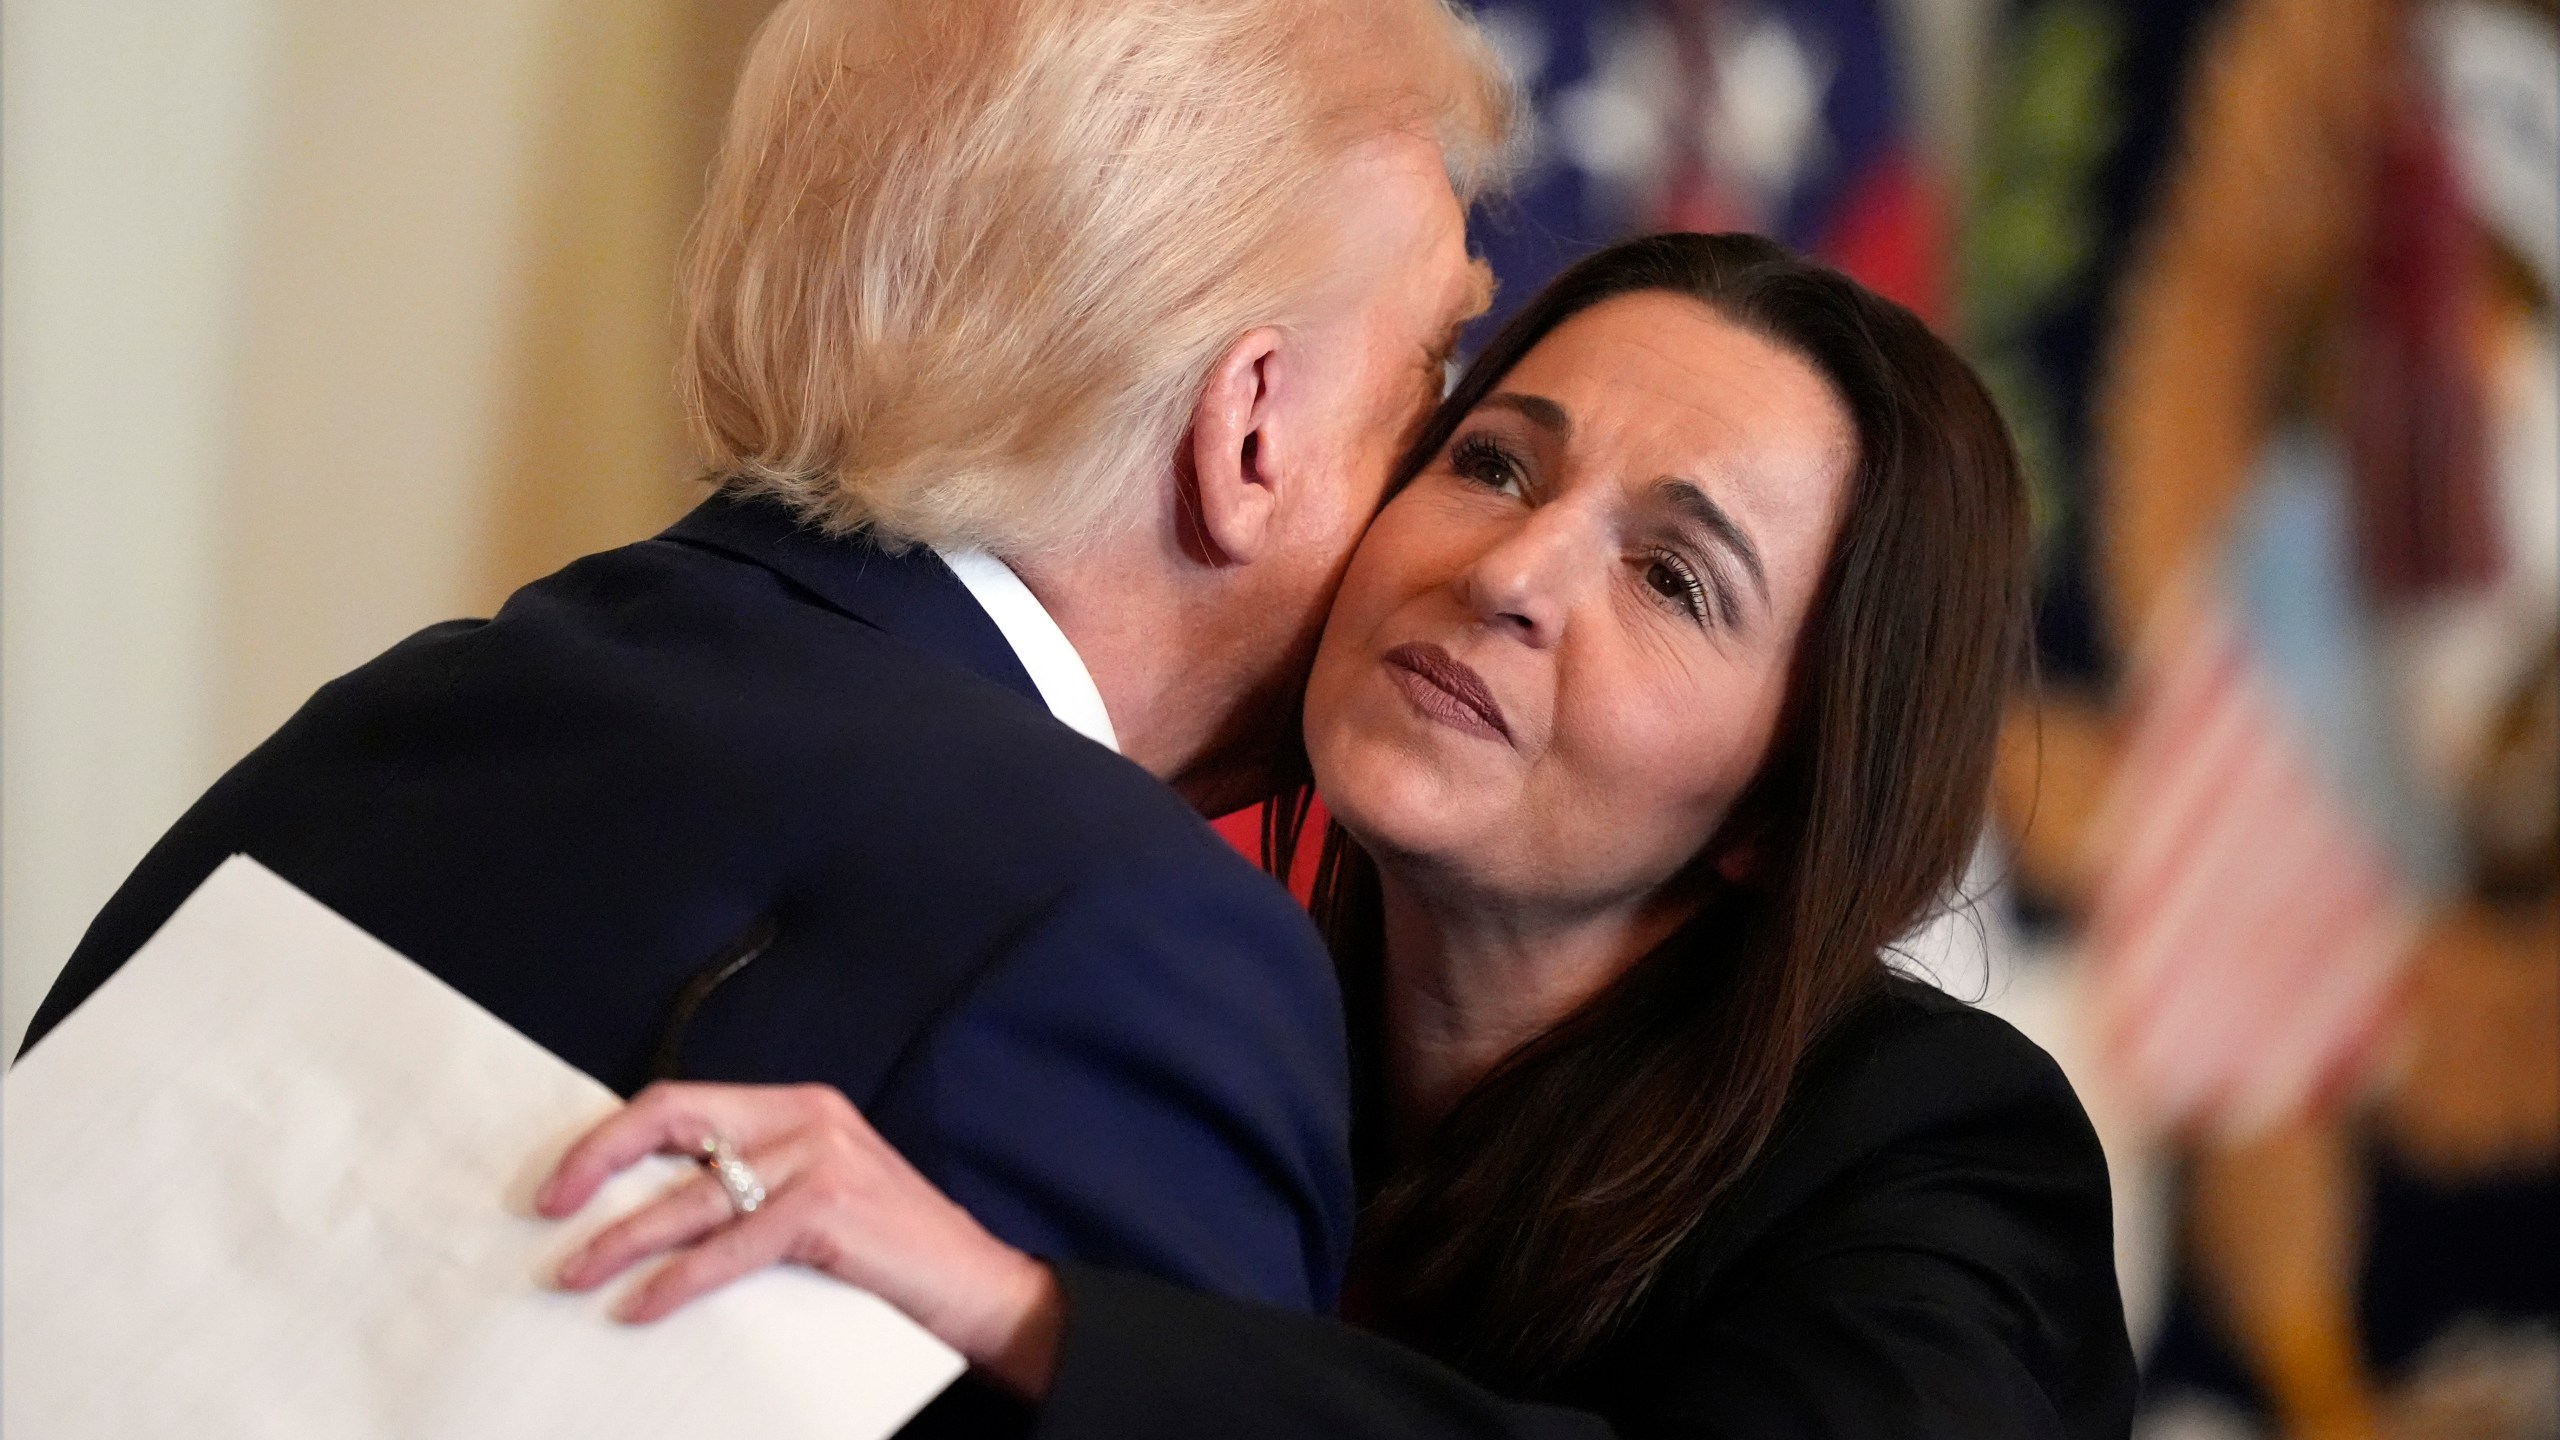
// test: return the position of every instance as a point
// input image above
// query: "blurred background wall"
(326, 321)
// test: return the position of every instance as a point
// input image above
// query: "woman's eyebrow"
(1538, 410)
(1697, 507)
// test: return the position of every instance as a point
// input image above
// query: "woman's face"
(1558, 656)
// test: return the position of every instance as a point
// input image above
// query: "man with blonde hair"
(1051, 355)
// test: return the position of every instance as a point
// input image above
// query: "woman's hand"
(838, 1199)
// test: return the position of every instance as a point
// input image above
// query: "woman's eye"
(1670, 577)
(1488, 464)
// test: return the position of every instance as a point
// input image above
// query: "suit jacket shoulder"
(577, 810)
(1912, 1075)
(1924, 1251)
(1936, 1189)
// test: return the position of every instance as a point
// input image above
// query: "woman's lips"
(1446, 690)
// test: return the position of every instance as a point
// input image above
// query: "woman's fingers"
(836, 1194)
(815, 1180)
(770, 1236)
(674, 1119)
(838, 1199)
(680, 1217)
(661, 1118)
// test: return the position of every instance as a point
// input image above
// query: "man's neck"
(1170, 692)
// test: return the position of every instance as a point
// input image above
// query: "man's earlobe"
(1234, 464)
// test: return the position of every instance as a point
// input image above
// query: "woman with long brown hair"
(1655, 708)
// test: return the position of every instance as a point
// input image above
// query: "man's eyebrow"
(1696, 506)
(1476, 297)
(1443, 350)
(1538, 410)
(1479, 290)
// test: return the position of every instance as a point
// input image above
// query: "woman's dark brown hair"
(1539, 1212)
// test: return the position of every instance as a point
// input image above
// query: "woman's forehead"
(1661, 362)
(1673, 387)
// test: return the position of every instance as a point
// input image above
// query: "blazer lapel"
(913, 595)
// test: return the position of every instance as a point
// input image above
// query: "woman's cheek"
(1370, 783)
(1667, 781)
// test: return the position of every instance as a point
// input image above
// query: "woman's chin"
(1397, 804)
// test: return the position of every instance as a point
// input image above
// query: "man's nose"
(1524, 584)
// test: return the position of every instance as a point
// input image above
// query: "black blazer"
(1042, 977)
(1924, 1251)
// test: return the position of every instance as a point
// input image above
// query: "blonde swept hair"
(965, 265)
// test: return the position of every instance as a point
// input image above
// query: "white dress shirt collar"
(1056, 670)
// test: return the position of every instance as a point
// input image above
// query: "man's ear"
(1234, 497)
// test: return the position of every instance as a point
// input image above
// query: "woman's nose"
(1523, 584)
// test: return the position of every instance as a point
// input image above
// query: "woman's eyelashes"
(1676, 581)
(1488, 463)
(1688, 587)
(1670, 577)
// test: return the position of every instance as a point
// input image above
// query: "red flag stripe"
(2248, 931)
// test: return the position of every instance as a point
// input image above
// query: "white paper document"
(275, 1180)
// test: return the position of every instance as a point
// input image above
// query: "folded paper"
(273, 1179)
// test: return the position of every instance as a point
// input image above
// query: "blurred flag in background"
(1786, 117)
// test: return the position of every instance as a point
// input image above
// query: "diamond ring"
(746, 1192)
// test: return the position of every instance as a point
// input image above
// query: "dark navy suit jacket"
(1041, 976)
